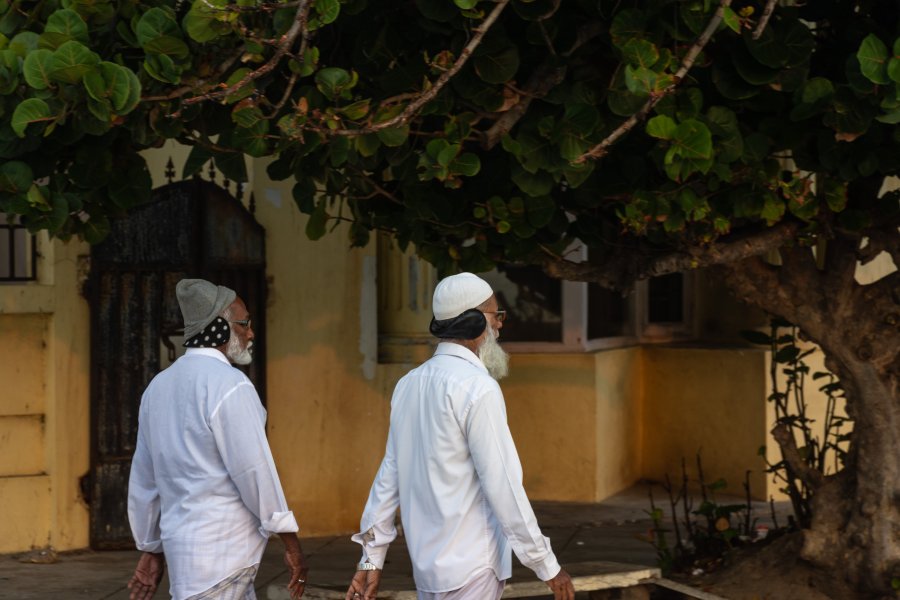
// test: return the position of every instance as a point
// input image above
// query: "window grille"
(18, 252)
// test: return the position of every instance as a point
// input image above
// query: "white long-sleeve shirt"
(451, 467)
(203, 486)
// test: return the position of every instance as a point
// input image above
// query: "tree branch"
(413, 107)
(546, 77)
(785, 438)
(764, 20)
(602, 148)
(297, 28)
(186, 89)
(623, 269)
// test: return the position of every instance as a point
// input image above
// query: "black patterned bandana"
(212, 336)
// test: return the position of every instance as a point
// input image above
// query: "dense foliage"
(496, 166)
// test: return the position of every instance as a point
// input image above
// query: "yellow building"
(594, 406)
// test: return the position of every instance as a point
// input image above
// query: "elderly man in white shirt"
(451, 467)
(204, 495)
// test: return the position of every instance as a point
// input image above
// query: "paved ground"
(614, 530)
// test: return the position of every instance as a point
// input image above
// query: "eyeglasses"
(245, 323)
(500, 313)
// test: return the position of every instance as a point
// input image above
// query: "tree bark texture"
(855, 527)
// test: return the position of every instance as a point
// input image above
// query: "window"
(18, 252)
(547, 315)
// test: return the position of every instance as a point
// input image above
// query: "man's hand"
(562, 587)
(296, 564)
(147, 575)
(364, 585)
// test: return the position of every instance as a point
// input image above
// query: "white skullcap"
(456, 294)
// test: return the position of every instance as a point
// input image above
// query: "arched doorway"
(188, 229)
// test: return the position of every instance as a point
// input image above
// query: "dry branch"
(764, 20)
(785, 438)
(602, 148)
(297, 28)
(622, 270)
(427, 96)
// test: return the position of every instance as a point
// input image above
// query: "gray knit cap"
(201, 302)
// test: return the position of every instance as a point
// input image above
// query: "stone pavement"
(614, 530)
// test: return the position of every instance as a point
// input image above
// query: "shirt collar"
(460, 351)
(211, 352)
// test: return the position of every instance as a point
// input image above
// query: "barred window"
(18, 252)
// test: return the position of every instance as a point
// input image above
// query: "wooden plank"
(686, 590)
(586, 576)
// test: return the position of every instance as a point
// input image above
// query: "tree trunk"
(855, 527)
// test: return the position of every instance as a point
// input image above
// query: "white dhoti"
(484, 586)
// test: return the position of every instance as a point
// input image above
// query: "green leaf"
(315, 227)
(36, 69)
(242, 92)
(32, 110)
(197, 157)
(355, 111)
(640, 53)
(872, 56)
(70, 62)
(466, 4)
(499, 67)
(68, 23)
(96, 229)
(467, 164)
(367, 145)
(108, 83)
(816, 89)
(155, 23)
(893, 69)
(252, 140)
(773, 208)
(693, 139)
(540, 210)
(766, 49)
(328, 10)
(15, 177)
(334, 81)
(731, 20)
(835, 194)
(393, 136)
(169, 45)
(661, 127)
(533, 184)
(446, 153)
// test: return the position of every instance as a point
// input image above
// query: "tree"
(664, 136)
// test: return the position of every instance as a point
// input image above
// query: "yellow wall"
(710, 401)
(44, 408)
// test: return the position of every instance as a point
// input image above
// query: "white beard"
(495, 358)
(236, 354)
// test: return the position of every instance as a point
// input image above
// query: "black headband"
(467, 326)
(212, 336)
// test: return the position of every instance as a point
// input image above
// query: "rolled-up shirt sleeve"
(500, 473)
(378, 523)
(143, 499)
(238, 425)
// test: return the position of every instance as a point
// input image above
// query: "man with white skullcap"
(203, 494)
(451, 467)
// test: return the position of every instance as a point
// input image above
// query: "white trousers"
(484, 586)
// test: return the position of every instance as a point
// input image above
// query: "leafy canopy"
(481, 132)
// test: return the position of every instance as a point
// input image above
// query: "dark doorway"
(188, 229)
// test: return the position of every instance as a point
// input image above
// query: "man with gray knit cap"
(451, 467)
(204, 495)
